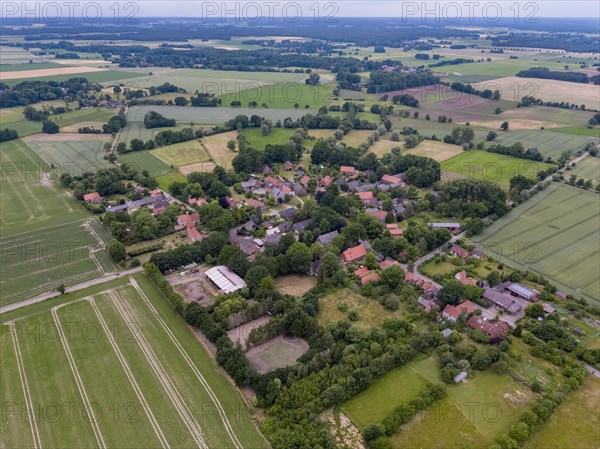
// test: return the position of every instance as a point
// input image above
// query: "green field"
(579, 131)
(549, 144)
(213, 116)
(165, 181)
(74, 157)
(496, 68)
(144, 160)
(277, 136)
(137, 130)
(283, 96)
(478, 164)
(104, 76)
(182, 153)
(44, 230)
(216, 82)
(555, 234)
(397, 387)
(588, 168)
(27, 66)
(161, 388)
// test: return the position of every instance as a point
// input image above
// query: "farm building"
(495, 330)
(225, 279)
(93, 197)
(501, 300)
(453, 312)
(353, 254)
(520, 291)
(459, 251)
(452, 227)
(347, 170)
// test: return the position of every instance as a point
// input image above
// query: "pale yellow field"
(438, 151)
(216, 147)
(47, 72)
(355, 137)
(514, 88)
(202, 167)
(383, 146)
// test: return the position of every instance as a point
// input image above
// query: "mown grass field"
(555, 234)
(182, 153)
(144, 160)
(499, 168)
(163, 388)
(277, 136)
(436, 150)
(44, 230)
(283, 96)
(165, 181)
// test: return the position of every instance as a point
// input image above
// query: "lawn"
(277, 136)
(182, 153)
(163, 390)
(435, 150)
(283, 95)
(278, 352)
(165, 181)
(554, 234)
(43, 230)
(579, 414)
(499, 168)
(370, 312)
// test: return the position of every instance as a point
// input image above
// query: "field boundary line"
(130, 376)
(37, 443)
(191, 364)
(166, 382)
(78, 380)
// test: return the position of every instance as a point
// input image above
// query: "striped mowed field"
(120, 369)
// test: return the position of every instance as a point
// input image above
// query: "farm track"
(167, 383)
(80, 386)
(191, 364)
(37, 444)
(130, 376)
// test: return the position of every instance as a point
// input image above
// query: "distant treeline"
(452, 62)
(387, 81)
(577, 43)
(547, 74)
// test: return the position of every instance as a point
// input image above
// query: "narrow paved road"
(438, 250)
(101, 280)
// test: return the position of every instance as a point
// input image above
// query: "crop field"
(548, 143)
(163, 390)
(48, 72)
(579, 131)
(514, 88)
(216, 82)
(71, 156)
(92, 74)
(18, 67)
(436, 150)
(588, 168)
(496, 68)
(14, 55)
(283, 96)
(479, 164)
(182, 153)
(43, 230)
(144, 160)
(213, 116)
(554, 234)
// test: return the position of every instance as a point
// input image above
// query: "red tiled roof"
(365, 195)
(361, 271)
(493, 330)
(459, 251)
(326, 181)
(193, 234)
(396, 232)
(455, 311)
(91, 196)
(347, 169)
(305, 180)
(388, 263)
(371, 277)
(391, 226)
(355, 253)
(255, 203)
(380, 215)
(462, 277)
(389, 179)
(155, 192)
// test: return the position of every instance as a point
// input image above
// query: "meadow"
(182, 153)
(163, 389)
(144, 160)
(283, 96)
(588, 168)
(499, 168)
(256, 139)
(44, 230)
(436, 150)
(554, 234)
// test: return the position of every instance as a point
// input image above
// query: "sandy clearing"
(64, 137)
(4, 76)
